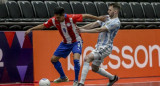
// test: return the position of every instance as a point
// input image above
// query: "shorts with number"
(100, 53)
(64, 50)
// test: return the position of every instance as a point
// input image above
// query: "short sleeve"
(112, 26)
(77, 17)
(48, 23)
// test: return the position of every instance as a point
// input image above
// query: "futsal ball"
(44, 82)
(3, 1)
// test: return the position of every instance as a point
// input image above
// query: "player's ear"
(116, 11)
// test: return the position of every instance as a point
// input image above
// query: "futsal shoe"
(75, 83)
(80, 84)
(61, 80)
(111, 82)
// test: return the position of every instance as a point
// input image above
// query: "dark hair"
(59, 10)
(115, 5)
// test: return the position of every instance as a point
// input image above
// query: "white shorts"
(100, 53)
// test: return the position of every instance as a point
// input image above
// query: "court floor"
(147, 81)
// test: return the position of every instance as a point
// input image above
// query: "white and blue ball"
(44, 82)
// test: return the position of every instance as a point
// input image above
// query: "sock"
(103, 72)
(84, 72)
(58, 67)
(76, 69)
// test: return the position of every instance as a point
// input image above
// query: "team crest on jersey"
(68, 24)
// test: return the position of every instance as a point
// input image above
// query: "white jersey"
(106, 38)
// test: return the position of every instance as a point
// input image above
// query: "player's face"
(111, 11)
(60, 18)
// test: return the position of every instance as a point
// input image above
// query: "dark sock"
(76, 69)
(58, 67)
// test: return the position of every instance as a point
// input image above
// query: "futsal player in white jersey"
(103, 48)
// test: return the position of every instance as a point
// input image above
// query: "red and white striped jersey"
(67, 29)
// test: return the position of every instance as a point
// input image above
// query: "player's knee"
(88, 58)
(95, 69)
(53, 59)
(85, 59)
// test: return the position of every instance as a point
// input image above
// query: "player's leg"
(76, 68)
(103, 72)
(96, 64)
(89, 58)
(101, 54)
(77, 50)
(76, 65)
(58, 67)
(62, 51)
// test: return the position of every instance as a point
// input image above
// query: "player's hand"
(103, 18)
(78, 29)
(27, 32)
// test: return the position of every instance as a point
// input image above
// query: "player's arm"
(90, 25)
(95, 30)
(41, 26)
(38, 27)
(89, 16)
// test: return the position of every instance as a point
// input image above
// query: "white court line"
(118, 83)
(85, 84)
